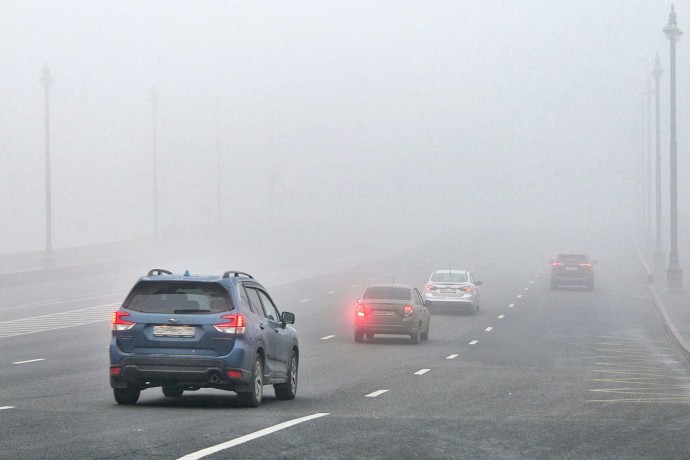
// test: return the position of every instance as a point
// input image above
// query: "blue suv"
(186, 332)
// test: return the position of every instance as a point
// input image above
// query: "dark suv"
(186, 332)
(572, 269)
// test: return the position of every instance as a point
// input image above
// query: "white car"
(452, 290)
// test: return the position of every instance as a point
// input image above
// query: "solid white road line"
(501, 316)
(376, 393)
(488, 329)
(327, 337)
(29, 361)
(511, 305)
(451, 356)
(422, 371)
(474, 342)
(250, 437)
(40, 302)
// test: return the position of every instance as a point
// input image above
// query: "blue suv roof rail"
(235, 273)
(158, 271)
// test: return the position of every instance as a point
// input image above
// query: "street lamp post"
(154, 114)
(658, 250)
(46, 79)
(648, 168)
(219, 201)
(674, 273)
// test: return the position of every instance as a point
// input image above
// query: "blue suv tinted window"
(175, 297)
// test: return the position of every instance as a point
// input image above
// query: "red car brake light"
(360, 310)
(585, 264)
(466, 288)
(235, 324)
(429, 287)
(407, 311)
(558, 264)
(121, 324)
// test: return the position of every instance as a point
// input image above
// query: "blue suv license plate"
(174, 331)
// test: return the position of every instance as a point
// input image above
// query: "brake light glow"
(429, 287)
(234, 374)
(115, 371)
(558, 264)
(360, 310)
(466, 288)
(235, 325)
(407, 311)
(120, 323)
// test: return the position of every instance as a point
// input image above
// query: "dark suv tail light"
(120, 323)
(585, 265)
(558, 264)
(360, 310)
(407, 311)
(235, 324)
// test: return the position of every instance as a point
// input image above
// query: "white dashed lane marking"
(501, 316)
(29, 361)
(519, 296)
(331, 292)
(511, 305)
(376, 393)
(474, 342)
(305, 300)
(489, 329)
(250, 437)
(6, 407)
(422, 371)
(451, 356)
(327, 337)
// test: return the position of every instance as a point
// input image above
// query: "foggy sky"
(329, 116)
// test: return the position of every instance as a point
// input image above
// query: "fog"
(366, 120)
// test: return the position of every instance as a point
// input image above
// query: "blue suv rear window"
(176, 297)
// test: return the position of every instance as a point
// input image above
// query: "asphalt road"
(535, 374)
